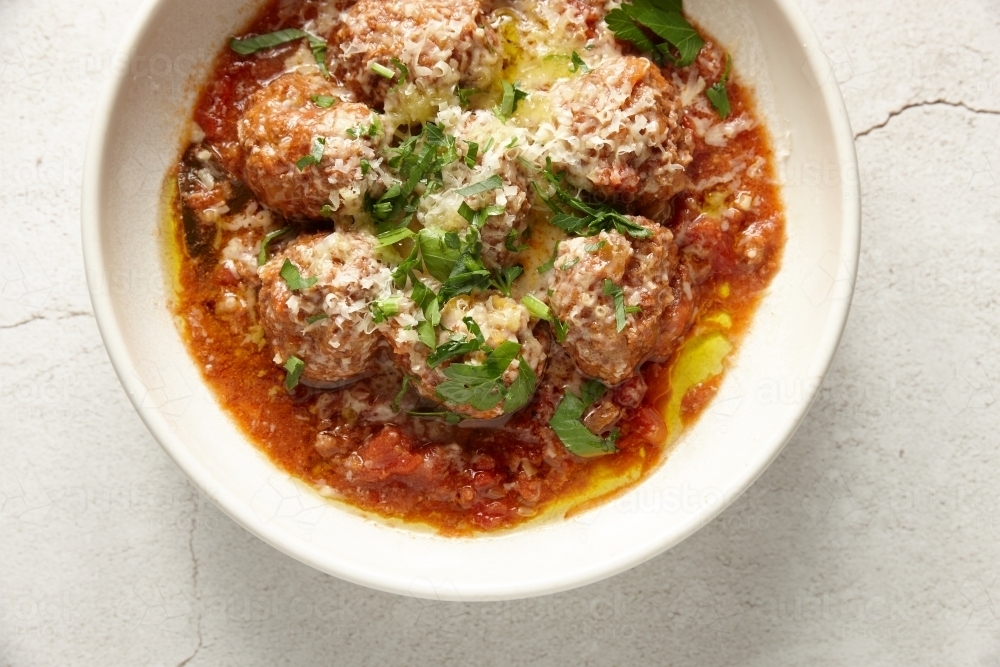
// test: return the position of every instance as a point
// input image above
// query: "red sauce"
(503, 476)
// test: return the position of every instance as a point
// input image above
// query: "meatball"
(641, 269)
(440, 209)
(619, 133)
(442, 44)
(499, 318)
(280, 133)
(326, 324)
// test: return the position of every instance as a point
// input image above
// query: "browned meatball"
(327, 324)
(440, 208)
(641, 268)
(499, 318)
(619, 134)
(282, 125)
(443, 44)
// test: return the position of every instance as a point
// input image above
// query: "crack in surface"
(197, 594)
(926, 103)
(42, 318)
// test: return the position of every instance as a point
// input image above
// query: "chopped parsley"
(594, 247)
(471, 154)
(293, 371)
(315, 154)
(381, 70)
(548, 266)
(247, 45)
(657, 27)
(290, 274)
(717, 94)
(482, 386)
(465, 95)
(576, 64)
(324, 101)
(383, 309)
(458, 346)
(318, 317)
(508, 103)
(494, 182)
(394, 406)
(567, 424)
(511, 242)
(266, 241)
(539, 309)
(504, 279)
(404, 72)
(478, 218)
(395, 236)
(618, 297)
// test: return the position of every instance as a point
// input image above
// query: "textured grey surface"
(872, 539)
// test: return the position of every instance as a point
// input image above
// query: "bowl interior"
(137, 136)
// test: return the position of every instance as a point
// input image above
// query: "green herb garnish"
(290, 274)
(676, 40)
(381, 70)
(482, 387)
(324, 101)
(540, 310)
(504, 279)
(394, 406)
(576, 64)
(717, 94)
(266, 241)
(319, 317)
(618, 297)
(511, 242)
(567, 424)
(465, 95)
(548, 266)
(383, 309)
(578, 218)
(494, 182)
(508, 103)
(293, 371)
(247, 45)
(315, 154)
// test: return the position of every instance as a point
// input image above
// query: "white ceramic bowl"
(136, 137)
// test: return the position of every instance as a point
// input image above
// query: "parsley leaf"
(576, 437)
(468, 274)
(465, 95)
(577, 64)
(319, 317)
(578, 218)
(522, 388)
(547, 266)
(717, 94)
(539, 309)
(504, 280)
(664, 18)
(266, 241)
(439, 251)
(494, 182)
(290, 274)
(383, 309)
(511, 242)
(394, 236)
(315, 154)
(247, 45)
(293, 371)
(394, 406)
(324, 101)
(458, 345)
(621, 310)
(508, 104)
(482, 386)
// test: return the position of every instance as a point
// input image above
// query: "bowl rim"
(241, 512)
